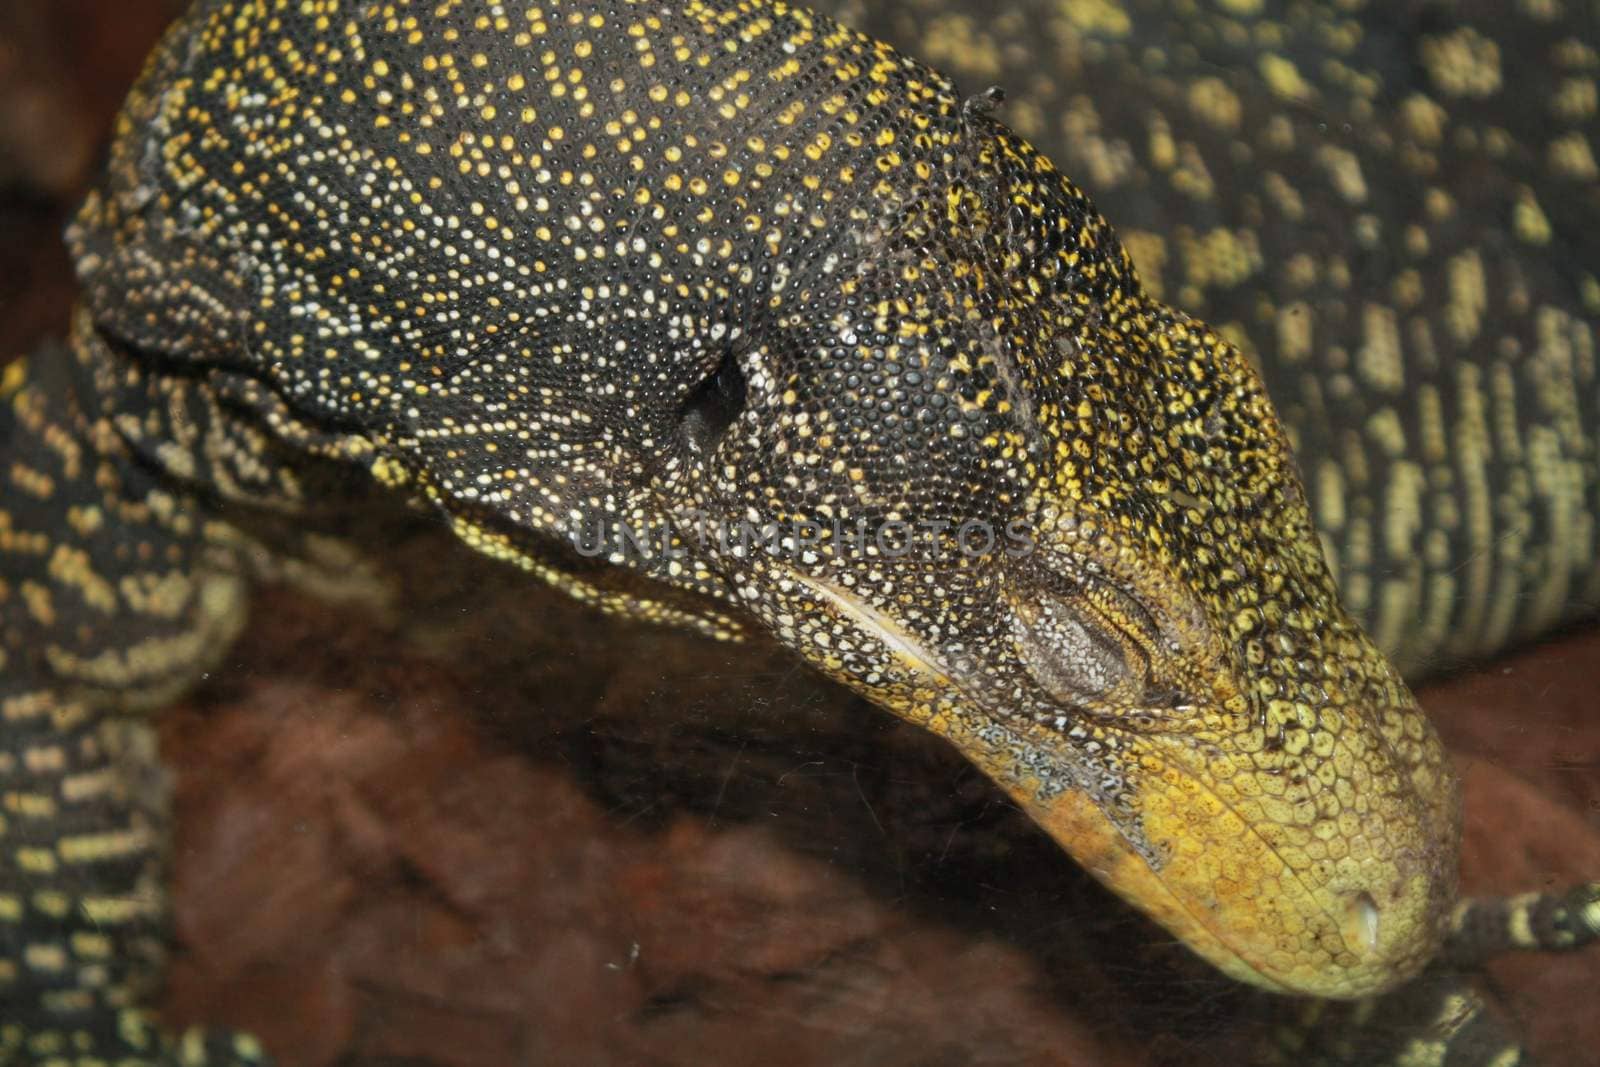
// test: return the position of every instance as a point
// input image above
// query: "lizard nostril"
(1362, 920)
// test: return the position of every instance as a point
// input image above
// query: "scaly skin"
(1395, 209)
(684, 266)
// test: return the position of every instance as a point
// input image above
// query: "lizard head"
(1016, 501)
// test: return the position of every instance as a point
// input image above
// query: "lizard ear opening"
(713, 406)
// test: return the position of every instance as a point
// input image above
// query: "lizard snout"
(1302, 860)
(1301, 839)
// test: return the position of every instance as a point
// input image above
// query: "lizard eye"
(713, 405)
(1092, 644)
(1076, 657)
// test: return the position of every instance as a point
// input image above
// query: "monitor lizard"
(690, 265)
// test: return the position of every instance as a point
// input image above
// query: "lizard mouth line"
(875, 622)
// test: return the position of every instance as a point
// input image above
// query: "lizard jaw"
(1232, 885)
(1222, 870)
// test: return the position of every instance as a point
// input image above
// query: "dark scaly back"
(1395, 208)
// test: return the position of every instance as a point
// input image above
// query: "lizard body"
(664, 265)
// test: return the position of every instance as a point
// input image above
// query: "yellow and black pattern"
(1434, 1021)
(115, 592)
(1536, 922)
(703, 263)
(1395, 209)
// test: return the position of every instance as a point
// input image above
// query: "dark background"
(492, 828)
